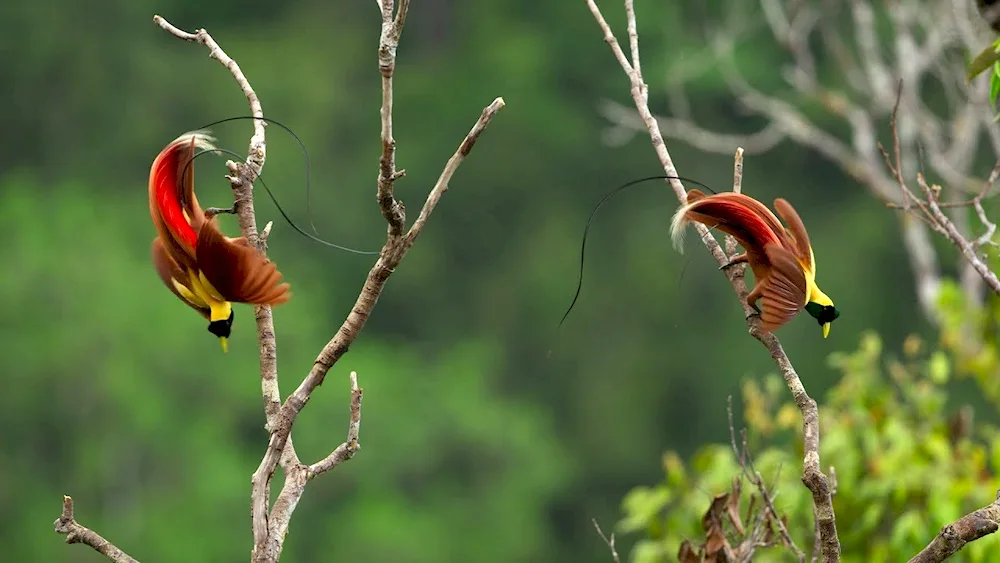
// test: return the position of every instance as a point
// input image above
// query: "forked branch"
(271, 526)
(929, 208)
(75, 532)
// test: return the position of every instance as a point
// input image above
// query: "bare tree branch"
(931, 209)
(393, 251)
(271, 527)
(67, 525)
(954, 536)
(242, 176)
(346, 450)
(813, 477)
(967, 248)
(626, 124)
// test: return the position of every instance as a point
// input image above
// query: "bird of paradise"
(781, 258)
(205, 269)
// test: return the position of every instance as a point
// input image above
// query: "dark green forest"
(487, 434)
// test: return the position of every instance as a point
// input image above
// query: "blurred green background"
(486, 435)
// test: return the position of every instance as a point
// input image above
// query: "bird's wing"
(169, 270)
(784, 290)
(238, 272)
(799, 236)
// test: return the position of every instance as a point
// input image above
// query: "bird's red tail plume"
(743, 217)
(171, 185)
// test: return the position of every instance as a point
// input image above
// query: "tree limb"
(242, 176)
(812, 476)
(954, 536)
(67, 525)
(270, 528)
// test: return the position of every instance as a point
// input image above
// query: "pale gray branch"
(67, 525)
(393, 251)
(242, 176)
(610, 540)
(627, 121)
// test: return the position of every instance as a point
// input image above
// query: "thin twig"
(346, 450)
(610, 540)
(968, 249)
(956, 535)
(813, 477)
(738, 170)
(67, 525)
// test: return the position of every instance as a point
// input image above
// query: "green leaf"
(995, 83)
(983, 61)
(642, 505)
(938, 368)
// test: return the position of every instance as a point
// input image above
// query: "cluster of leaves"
(902, 466)
(977, 357)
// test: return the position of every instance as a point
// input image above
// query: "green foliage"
(903, 466)
(155, 432)
(988, 58)
(969, 333)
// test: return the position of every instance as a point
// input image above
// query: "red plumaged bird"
(781, 258)
(204, 268)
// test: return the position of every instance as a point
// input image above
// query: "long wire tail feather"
(302, 147)
(281, 210)
(586, 229)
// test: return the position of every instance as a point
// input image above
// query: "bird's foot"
(234, 210)
(213, 211)
(738, 259)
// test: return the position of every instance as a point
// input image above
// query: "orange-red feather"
(238, 272)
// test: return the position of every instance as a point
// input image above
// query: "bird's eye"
(828, 314)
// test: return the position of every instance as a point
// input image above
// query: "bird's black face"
(824, 314)
(221, 328)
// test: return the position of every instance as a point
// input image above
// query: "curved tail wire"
(280, 209)
(586, 229)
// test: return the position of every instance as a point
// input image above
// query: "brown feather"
(167, 268)
(801, 238)
(694, 195)
(783, 293)
(238, 272)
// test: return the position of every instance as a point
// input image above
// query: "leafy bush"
(903, 467)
